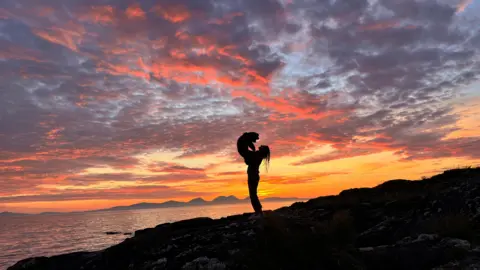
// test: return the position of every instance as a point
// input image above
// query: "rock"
(419, 238)
(204, 263)
(158, 264)
(233, 251)
(460, 243)
(112, 233)
(469, 263)
(421, 252)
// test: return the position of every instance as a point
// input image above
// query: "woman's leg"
(253, 179)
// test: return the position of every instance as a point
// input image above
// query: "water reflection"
(47, 235)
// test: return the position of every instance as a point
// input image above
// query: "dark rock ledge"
(428, 224)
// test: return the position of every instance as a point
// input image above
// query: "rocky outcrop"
(427, 224)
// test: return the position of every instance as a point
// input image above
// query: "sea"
(46, 235)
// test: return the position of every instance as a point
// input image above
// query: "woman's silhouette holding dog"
(253, 159)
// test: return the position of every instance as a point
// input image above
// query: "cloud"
(334, 156)
(94, 85)
(170, 167)
(230, 173)
(142, 192)
(168, 178)
(299, 179)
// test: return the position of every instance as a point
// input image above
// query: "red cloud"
(172, 13)
(135, 12)
(69, 35)
(283, 106)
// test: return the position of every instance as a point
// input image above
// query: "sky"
(115, 102)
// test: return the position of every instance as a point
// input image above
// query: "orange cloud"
(179, 68)
(230, 173)
(172, 13)
(69, 36)
(11, 169)
(99, 14)
(225, 52)
(170, 167)
(299, 179)
(54, 133)
(284, 106)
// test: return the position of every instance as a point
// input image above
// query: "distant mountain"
(54, 213)
(145, 205)
(167, 204)
(12, 214)
(197, 201)
(194, 202)
(226, 199)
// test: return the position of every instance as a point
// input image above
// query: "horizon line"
(166, 201)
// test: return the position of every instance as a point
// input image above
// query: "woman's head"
(265, 153)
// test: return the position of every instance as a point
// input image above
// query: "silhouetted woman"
(253, 171)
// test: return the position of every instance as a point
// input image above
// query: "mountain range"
(167, 204)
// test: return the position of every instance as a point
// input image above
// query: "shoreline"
(399, 224)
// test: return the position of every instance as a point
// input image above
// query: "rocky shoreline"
(427, 224)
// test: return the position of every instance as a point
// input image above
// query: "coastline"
(396, 225)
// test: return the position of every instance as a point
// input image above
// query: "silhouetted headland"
(426, 224)
(12, 214)
(168, 204)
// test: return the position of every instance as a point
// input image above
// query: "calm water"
(28, 236)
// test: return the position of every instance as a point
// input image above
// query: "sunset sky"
(114, 102)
